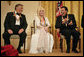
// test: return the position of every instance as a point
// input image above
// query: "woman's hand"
(40, 27)
(46, 29)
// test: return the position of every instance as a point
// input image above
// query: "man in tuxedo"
(66, 25)
(15, 23)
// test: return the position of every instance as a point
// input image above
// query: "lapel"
(61, 19)
(15, 18)
(69, 17)
(21, 19)
(12, 18)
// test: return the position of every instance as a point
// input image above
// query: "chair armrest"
(79, 37)
(32, 27)
(61, 36)
(77, 29)
(50, 29)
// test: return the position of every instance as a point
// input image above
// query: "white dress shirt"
(17, 19)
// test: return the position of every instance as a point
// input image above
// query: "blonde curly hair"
(38, 10)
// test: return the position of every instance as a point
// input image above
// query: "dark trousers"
(67, 33)
(6, 37)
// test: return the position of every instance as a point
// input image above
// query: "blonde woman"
(42, 40)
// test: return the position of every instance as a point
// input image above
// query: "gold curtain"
(74, 7)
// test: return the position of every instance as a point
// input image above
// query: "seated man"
(15, 23)
(66, 25)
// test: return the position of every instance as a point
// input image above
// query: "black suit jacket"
(11, 19)
(63, 26)
(82, 23)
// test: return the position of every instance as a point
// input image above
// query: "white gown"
(41, 40)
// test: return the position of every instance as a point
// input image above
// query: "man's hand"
(21, 30)
(64, 20)
(10, 31)
(71, 23)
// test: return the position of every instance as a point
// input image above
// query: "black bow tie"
(18, 14)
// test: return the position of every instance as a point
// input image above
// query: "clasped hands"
(65, 20)
(19, 32)
(45, 28)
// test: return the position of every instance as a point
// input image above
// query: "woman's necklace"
(42, 21)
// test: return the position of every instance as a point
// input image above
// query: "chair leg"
(31, 31)
(61, 42)
(79, 45)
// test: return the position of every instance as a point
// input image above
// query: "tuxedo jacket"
(82, 23)
(63, 26)
(10, 21)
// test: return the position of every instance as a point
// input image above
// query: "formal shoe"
(40, 50)
(75, 51)
(19, 51)
(67, 51)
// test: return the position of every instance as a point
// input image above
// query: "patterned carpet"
(55, 53)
